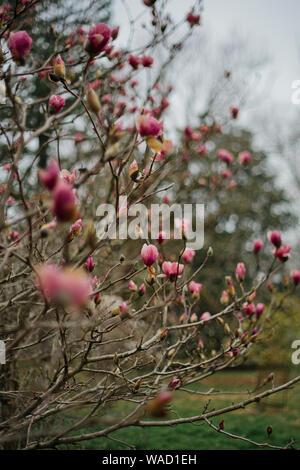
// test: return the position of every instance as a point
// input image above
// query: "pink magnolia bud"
(163, 334)
(200, 344)
(59, 68)
(236, 352)
(98, 38)
(192, 19)
(182, 318)
(193, 318)
(72, 287)
(244, 336)
(282, 253)
(195, 288)
(234, 112)
(13, 235)
(19, 44)
(134, 61)
(275, 238)
(259, 309)
(257, 245)
(142, 289)
(205, 317)
(157, 406)
(201, 150)
(97, 298)
(172, 270)
(148, 126)
(64, 202)
(240, 272)
(49, 177)
(76, 228)
(225, 174)
(225, 156)
(123, 308)
(244, 157)
(56, 104)
(89, 264)
(132, 286)
(115, 32)
(188, 255)
(146, 61)
(248, 309)
(173, 384)
(224, 298)
(149, 254)
(295, 276)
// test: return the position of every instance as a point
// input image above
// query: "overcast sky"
(273, 24)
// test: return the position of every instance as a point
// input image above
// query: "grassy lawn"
(281, 411)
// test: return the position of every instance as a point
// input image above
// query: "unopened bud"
(163, 334)
(93, 100)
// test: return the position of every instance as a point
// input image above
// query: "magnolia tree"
(97, 306)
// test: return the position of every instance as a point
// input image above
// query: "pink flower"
(132, 286)
(146, 61)
(69, 177)
(48, 280)
(148, 126)
(259, 309)
(195, 288)
(115, 32)
(19, 44)
(225, 156)
(295, 275)
(149, 254)
(275, 238)
(123, 308)
(240, 272)
(49, 177)
(193, 19)
(257, 245)
(224, 298)
(71, 287)
(172, 270)
(142, 289)
(244, 157)
(134, 61)
(98, 38)
(193, 318)
(248, 309)
(56, 104)
(76, 228)
(225, 174)
(13, 235)
(234, 112)
(173, 384)
(188, 255)
(282, 253)
(205, 317)
(201, 150)
(77, 285)
(64, 202)
(89, 264)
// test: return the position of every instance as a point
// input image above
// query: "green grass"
(280, 411)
